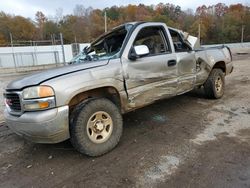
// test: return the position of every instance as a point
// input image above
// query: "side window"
(179, 45)
(154, 39)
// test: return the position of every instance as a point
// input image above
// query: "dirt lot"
(186, 141)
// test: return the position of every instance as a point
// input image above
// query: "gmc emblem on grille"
(8, 102)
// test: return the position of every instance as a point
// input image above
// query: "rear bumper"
(49, 126)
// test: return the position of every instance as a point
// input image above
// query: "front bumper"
(49, 126)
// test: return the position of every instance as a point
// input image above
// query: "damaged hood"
(38, 78)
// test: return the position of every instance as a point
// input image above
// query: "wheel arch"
(108, 92)
(220, 65)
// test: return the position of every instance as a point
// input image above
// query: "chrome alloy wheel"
(99, 127)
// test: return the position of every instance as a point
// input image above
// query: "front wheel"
(215, 84)
(96, 128)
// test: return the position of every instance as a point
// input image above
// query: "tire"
(215, 84)
(96, 127)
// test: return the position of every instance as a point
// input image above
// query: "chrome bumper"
(49, 126)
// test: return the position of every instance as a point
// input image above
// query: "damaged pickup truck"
(127, 68)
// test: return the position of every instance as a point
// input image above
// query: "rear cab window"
(179, 44)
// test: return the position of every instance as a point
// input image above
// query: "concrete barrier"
(29, 56)
(236, 48)
(28, 69)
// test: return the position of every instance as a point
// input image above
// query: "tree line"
(218, 23)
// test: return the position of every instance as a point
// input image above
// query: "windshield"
(105, 47)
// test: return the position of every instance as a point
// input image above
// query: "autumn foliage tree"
(19, 27)
(218, 23)
(40, 21)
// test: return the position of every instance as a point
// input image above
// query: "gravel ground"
(185, 141)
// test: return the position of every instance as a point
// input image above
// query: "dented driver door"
(154, 76)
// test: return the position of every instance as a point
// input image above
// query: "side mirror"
(138, 51)
(141, 50)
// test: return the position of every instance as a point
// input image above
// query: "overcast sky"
(28, 8)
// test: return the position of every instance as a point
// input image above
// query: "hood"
(38, 78)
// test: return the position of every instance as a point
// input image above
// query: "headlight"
(38, 92)
(38, 98)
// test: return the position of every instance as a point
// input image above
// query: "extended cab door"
(153, 76)
(186, 63)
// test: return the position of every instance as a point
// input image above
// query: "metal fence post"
(56, 59)
(13, 54)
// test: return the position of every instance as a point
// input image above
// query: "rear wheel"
(96, 127)
(215, 84)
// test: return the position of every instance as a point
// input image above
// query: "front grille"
(13, 101)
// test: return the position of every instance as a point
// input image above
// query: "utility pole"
(242, 33)
(199, 32)
(52, 42)
(63, 53)
(105, 20)
(75, 40)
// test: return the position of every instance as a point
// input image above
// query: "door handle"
(171, 63)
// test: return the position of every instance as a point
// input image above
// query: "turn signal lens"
(43, 105)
